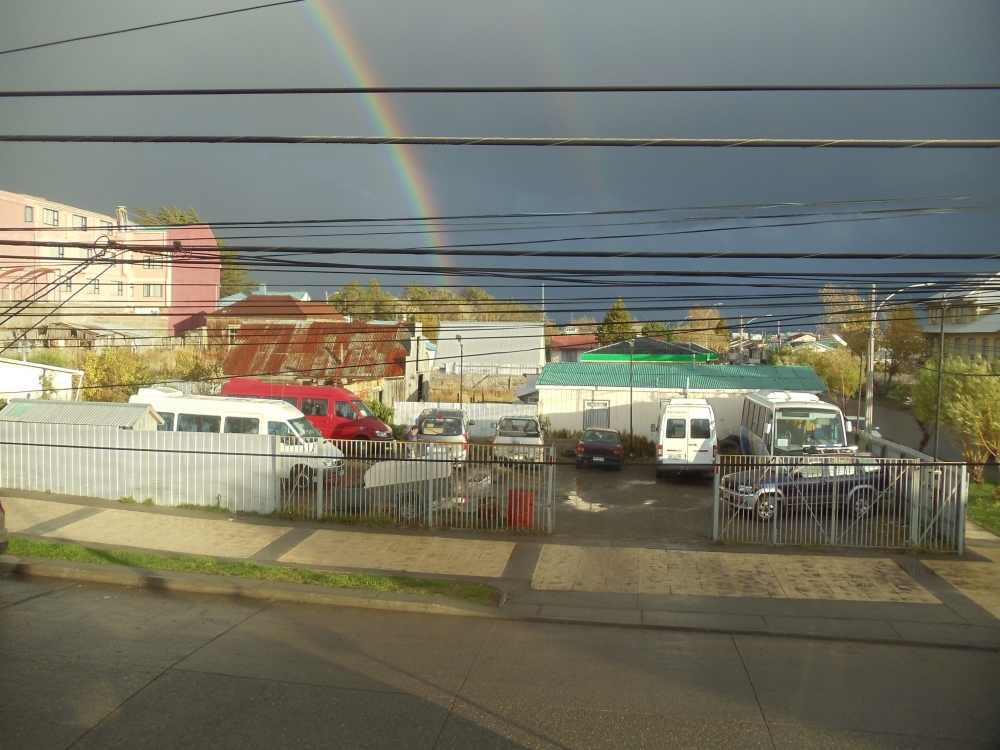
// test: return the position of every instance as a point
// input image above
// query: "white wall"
(563, 406)
(25, 380)
(498, 345)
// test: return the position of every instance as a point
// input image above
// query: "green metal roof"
(675, 377)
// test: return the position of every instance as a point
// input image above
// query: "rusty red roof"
(320, 350)
(574, 341)
(278, 306)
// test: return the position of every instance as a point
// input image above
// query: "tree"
(618, 325)
(656, 329)
(847, 314)
(903, 339)
(234, 277)
(970, 407)
(113, 375)
(924, 394)
(705, 327)
(838, 368)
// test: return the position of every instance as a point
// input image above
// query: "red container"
(520, 509)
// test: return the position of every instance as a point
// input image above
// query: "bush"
(638, 447)
(381, 410)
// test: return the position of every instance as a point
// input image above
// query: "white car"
(518, 439)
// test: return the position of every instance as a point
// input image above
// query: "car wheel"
(618, 467)
(302, 478)
(579, 464)
(765, 508)
(862, 502)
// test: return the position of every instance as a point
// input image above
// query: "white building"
(506, 348)
(30, 380)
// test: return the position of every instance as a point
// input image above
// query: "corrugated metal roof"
(76, 412)
(278, 306)
(649, 345)
(675, 377)
(355, 351)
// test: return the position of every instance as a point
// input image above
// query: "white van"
(685, 437)
(301, 449)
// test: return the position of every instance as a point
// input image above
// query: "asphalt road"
(91, 666)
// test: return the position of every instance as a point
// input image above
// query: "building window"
(119, 288)
(106, 226)
(986, 348)
(972, 348)
(150, 263)
(50, 217)
(79, 222)
(60, 252)
(94, 287)
(152, 290)
(29, 214)
(67, 285)
(958, 347)
(996, 348)
(233, 331)
(934, 316)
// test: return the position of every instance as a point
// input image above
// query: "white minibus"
(784, 423)
(685, 437)
(302, 451)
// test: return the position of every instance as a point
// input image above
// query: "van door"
(317, 411)
(701, 438)
(345, 420)
(675, 449)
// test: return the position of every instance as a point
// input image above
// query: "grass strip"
(466, 591)
(984, 506)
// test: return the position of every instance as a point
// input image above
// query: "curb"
(241, 588)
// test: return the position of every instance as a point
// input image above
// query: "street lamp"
(461, 368)
(870, 375)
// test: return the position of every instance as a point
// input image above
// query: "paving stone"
(182, 534)
(980, 581)
(23, 513)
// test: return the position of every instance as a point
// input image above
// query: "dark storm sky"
(508, 43)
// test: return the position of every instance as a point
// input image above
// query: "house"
(573, 396)
(32, 380)
(971, 319)
(496, 348)
(569, 346)
(94, 413)
(645, 350)
(384, 361)
(161, 280)
(223, 325)
(262, 290)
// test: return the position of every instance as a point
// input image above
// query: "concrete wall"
(27, 380)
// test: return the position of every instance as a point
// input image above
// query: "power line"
(313, 90)
(146, 26)
(420, 140)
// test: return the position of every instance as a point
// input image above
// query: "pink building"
(166, 289)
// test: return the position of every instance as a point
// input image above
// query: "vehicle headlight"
(381, 434)
(329, 463)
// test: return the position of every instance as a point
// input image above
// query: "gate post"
(320, 486)
(922, 480)
(550, 508)
(963, 499)
(715, 503)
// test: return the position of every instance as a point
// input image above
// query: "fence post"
(549, 500)
(320, 486)
(715, 503)
(923, 481)
(963, 499)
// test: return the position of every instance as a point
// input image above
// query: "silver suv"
(444, 433)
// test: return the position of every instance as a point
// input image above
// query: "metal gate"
(443, 485)
(841, 501)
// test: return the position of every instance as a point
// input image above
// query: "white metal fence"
(485, 416)
(439, 485)
(841, 501)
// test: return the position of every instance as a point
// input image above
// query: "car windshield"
(441, 426)
(304, 428)
(800, 429)
(363, 409)
(510, 427)
(600, 436)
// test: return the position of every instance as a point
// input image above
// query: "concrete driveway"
(631, 504)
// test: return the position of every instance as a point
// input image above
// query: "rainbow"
(381, 113)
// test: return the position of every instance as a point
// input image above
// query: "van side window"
(278, 428)
(168, 422)
(700, 429)
(291, 400)
(746, 412)
(242, 425)
(315, 407)
(675, 428)
(198, 423)
(345, 410)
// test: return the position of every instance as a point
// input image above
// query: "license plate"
(598, 458)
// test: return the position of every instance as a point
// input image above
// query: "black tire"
(579, 464)
(3, 548)
(301, 478)
(618, 467)
(765, 508)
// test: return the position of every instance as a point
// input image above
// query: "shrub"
(383, 411)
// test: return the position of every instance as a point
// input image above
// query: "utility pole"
(631, 431)
(870, 378)
(940, 383)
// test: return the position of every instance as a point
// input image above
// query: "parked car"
(518, 439)
(443, 433)
(336, 412)
(855, 483)
(4, 536)
(600, 447)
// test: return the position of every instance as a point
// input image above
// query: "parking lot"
(631, 504)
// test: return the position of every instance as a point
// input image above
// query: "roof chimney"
(122, 213)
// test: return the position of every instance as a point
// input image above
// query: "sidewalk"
(865, 596)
